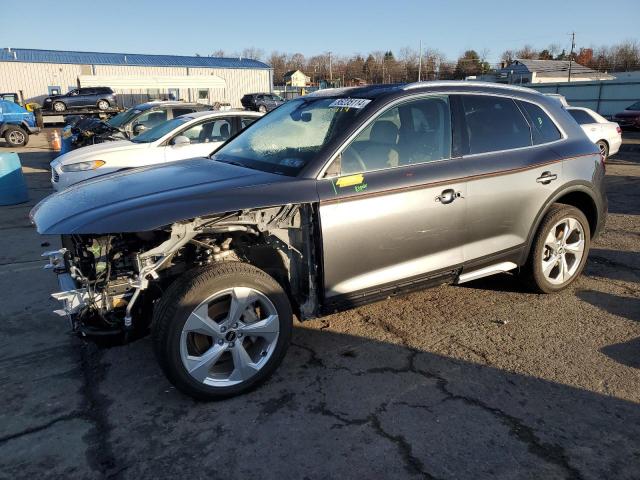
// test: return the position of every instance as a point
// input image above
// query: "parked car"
(83, 131)
(16, 124)
(102, 98)
(335, 199)
(261, 102)
(192, 135)
(630, 117)
(607, 135)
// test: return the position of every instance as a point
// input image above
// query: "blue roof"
(94, 58)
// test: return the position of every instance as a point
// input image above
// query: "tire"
(182, 342)
(262, 109)
(546, 272)
(604, 148)
(59, 106)
(16, 136)
(103, 105)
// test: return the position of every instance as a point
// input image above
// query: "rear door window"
(246, 121)
(582, 117)
(494, 123)
(182, 111)
(543, 130)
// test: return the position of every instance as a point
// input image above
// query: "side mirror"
(180, 140)
(138, 128)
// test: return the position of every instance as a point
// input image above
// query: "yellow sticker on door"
(350, 181)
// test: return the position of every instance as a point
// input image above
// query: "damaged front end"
(110, 283)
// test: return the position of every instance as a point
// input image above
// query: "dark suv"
(333, 200)
(261, 102)
(102, 98)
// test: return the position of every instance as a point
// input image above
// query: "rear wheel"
(59, 107)
(103, 105)
(604, 149)
(16, 136)
(222, 330)
(560, 249)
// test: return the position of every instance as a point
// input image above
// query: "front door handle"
(546, 178)
(448, 196)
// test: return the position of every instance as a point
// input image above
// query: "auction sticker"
(350, 103)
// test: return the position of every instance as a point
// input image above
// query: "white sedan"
(192, 135)
(607, 135)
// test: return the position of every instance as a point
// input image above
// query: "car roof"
(220, 113)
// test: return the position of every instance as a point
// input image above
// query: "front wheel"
(103, 105)
(262, 109)
(16, 136)
(59, 107)
(222, 330)
(559, 250)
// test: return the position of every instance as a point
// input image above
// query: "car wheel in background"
(16, 136)
(560, 249)
(103, 105)
(262, 109)
(59, 107)
(604, 149)
(222, 330)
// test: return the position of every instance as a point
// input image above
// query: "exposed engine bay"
(89, 130)
(109, 283)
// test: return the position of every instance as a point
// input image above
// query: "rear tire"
(103, 105)
(16, 136)
(560, 249)
(604, 148)
(59, 107)
(220, 331)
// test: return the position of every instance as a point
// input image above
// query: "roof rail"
(458, 83)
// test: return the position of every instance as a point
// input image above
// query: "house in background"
(296, 78)
(521, 71)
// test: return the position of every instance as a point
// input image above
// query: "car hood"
(93, 152)
(147, 198)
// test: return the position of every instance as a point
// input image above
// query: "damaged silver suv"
(330, 201)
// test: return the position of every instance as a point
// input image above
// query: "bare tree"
(253, 53)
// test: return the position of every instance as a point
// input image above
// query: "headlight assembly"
(81, 166)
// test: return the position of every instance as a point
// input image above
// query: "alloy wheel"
(16, 138)
(563, 251)
(229, 337)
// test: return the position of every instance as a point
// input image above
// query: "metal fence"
(605, 97)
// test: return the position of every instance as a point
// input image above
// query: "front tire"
(16, 136)
(560, 249)
(262, 109)
(59, 107)
(222, 330)
(103, 105)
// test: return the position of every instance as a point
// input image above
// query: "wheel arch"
(578, 195)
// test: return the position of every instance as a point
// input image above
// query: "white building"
(296, 78)
(35, 74)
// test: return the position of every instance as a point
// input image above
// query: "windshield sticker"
(350, 103)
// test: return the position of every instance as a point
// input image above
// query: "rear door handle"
(546, 178)
(448, 196)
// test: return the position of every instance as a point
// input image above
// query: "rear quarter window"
(543, 130)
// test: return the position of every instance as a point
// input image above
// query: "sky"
(345, 27)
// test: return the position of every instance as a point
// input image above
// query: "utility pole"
(330, 71)
(420, 62)
(573, 46)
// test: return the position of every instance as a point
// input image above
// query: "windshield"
(123, 117)
(159, 131)
(635, 106)
(287, 139)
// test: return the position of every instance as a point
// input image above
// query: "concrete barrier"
(13, 188)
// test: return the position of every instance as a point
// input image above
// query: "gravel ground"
(481, 381)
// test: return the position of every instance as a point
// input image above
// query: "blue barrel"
(13, 188)
(65, 140)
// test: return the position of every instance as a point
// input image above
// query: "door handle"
(448, 196)
(546, 178)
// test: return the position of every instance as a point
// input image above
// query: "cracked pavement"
(481, 381)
